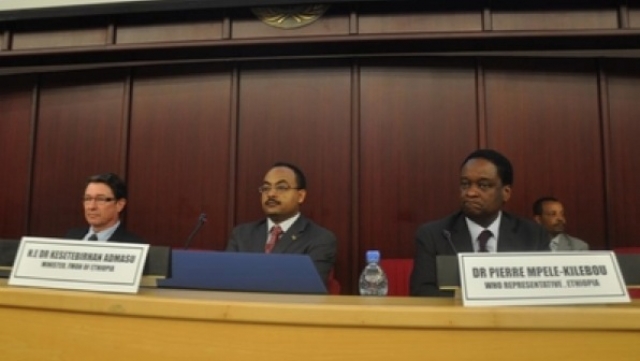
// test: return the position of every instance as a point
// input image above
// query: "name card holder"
(541, 278)
(79, 265)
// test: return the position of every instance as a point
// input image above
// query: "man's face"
(280, 198)
(552, 217)
(101, 209)
(481, 191)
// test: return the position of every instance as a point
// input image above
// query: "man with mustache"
(481, 225)
(549, 213)
(286, 230)
(105, 197)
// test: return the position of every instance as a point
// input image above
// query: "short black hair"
(537, 205)
(505, 170)
(300, 178)
(117, 185)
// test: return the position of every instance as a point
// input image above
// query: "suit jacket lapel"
(460, 236)
(508, 239)
(259, 237)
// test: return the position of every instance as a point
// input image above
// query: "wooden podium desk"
(160, 324)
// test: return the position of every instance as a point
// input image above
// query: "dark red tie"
(274, 235)
(482, 240)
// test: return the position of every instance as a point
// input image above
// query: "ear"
(302, 194)
(537, 219)
(506, 193)
(120, 203)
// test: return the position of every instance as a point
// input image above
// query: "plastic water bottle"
(373, 280)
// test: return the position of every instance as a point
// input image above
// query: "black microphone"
(447, 236)
(201, 220)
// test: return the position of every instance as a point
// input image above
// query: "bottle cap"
(373, 256)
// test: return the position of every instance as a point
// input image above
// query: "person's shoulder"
(309, 224)
(578, 241)
(249, 225)
(76, 233)
(518, 222)
(124, 235)
(442, 223)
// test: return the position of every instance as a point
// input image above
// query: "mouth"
(271, 203)
(471, 204)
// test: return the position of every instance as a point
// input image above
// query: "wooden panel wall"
(418, 122)
(621, 133)
(193, 109)
(185, 150)
(544, 115)
(81, 130)
(16, 132)
(179, 154)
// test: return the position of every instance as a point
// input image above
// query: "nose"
(272, 192)
(471, 191)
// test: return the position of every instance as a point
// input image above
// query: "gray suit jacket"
(303, 237)
(450, 236)
(568, 243)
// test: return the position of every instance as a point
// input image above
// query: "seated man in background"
(105, 196)
(285, 230)
(486, 177)
(549, 212)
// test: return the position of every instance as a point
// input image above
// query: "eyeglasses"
(100, 200)
(280, 188)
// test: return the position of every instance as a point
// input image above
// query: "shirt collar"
(105, 234)
(284, 225)
(475, 228)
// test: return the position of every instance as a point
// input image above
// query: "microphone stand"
(201, 220)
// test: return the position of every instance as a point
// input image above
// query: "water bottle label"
(372, 278)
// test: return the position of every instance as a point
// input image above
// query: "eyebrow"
(278, 182)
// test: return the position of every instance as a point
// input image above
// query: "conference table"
(170, 324)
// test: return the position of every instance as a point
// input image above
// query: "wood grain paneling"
(16, 95)
(623, 78)
(164, 27)
(179, 154)
(418, 122)
(418, 17)
(79, 133)
(544, 116)
(246, 26)
(555, 19)
(60, 33)
(634, 17)
(299, 113)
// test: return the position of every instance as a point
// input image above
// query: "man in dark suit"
(549, 213)
(105, 196)
(285, 230)
(486, 177)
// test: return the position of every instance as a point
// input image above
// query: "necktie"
(275, 233)
(482, 240)
(93, 237)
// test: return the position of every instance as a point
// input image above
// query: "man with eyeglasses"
(286, 230)
(105, 196)
(486, 177)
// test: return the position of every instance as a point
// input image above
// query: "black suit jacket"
(450, 235)
(120, 235)
(303, 237)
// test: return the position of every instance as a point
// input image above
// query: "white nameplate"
(541, 278)
(79, 265)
